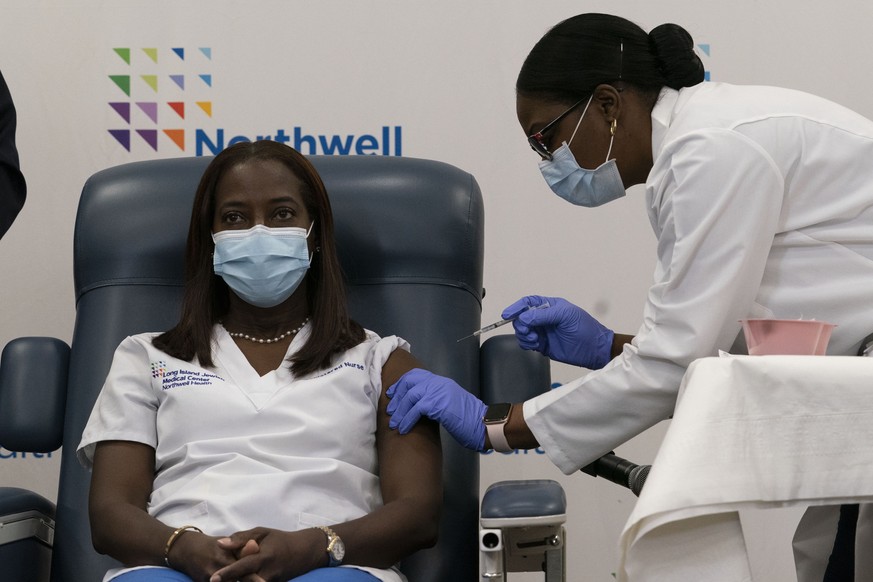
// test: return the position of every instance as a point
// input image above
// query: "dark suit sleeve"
(12, 186)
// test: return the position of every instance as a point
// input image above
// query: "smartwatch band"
(498, 438)
(495, 419)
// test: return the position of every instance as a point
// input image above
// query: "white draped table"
(749, 432)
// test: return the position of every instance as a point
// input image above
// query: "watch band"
(495, 430)
(335, 547)
(497, 438)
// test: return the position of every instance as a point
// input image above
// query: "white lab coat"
(236, 450)
(762, 202)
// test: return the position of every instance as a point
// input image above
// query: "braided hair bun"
(673, 49)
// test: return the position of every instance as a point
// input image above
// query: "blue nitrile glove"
(420, 393)
(562, 331)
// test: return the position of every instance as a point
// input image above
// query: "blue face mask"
(576, 184)
(262, 265)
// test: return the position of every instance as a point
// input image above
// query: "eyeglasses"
(536, 140)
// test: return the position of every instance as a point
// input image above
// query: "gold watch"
(336, 549)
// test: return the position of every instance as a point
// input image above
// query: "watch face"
(497, 412)
(338, 549)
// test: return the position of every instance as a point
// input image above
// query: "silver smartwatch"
(495, 420)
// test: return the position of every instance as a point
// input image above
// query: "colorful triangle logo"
(151, 81)
(178, 107)
(126, 110)
(150, 136)
(150, 108)
(124, 53)
(123, 109)
(122, 136)
(178, 137)
(123, 82)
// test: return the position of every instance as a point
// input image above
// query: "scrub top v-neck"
(258, 389)
(236, 450)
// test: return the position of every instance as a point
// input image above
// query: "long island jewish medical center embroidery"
(180, 378)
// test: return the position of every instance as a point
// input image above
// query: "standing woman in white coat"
(761, 200)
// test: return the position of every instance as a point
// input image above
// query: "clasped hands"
(256, 555)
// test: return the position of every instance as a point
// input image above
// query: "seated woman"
(250, 442)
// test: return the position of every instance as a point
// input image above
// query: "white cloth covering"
(235, 450)
(751, 432)
(762, 202)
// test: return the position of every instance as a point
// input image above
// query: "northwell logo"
(158, 91)
(164, 102)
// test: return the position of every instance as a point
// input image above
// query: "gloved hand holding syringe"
(550, 325)
(502, 322)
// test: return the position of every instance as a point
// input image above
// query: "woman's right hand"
(271, 555)
(562, 331)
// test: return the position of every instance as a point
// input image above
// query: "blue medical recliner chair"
(410, 238)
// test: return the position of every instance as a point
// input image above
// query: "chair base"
(523, 530)
(523, 549)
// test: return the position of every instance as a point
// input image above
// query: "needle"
(502, 322)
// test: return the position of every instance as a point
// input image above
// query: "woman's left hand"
(271, 555)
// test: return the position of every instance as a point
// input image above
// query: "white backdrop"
(408, 77)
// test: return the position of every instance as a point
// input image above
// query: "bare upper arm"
(410, 465)
(123, 473)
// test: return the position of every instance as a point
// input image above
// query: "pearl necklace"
(278, 338)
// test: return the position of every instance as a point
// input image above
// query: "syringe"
(502, 322)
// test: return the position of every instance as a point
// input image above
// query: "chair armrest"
(523, 504)
(25, 514)
(27, 531)
(33, 394)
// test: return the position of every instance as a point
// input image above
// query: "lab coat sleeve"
(126, 408)
(716, 200)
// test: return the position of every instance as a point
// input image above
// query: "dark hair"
(206, 295)
(587, 50)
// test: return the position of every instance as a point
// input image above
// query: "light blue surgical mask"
(262, 265)
(578, 185)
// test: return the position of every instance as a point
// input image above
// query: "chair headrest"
(138, 215)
